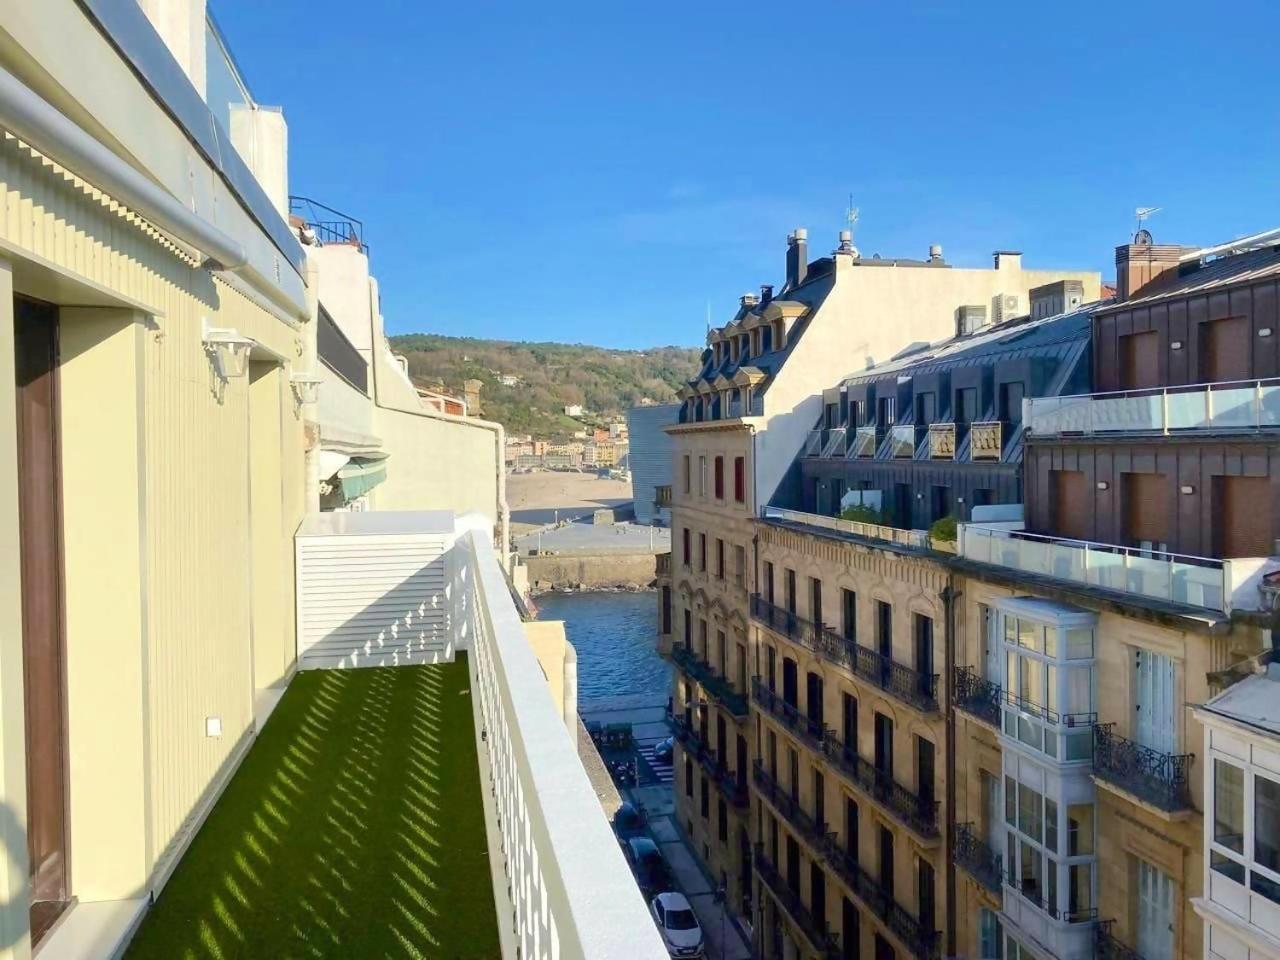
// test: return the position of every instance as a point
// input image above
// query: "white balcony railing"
(1219, 585)
(1242, 405)
(872, 531)
(571, 890)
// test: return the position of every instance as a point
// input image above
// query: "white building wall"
(650, 457)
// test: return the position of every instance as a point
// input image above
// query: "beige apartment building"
(742, 423)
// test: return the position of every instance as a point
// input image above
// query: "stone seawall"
(587, 571)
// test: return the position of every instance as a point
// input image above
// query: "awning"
(331, 461)
(360, 476)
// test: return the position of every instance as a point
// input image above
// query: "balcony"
(977, 697)
(902, 441)
(975, 857)
(812, 444)
(734, 790)
(1106, 946)
(864, 442)
(918, 813)
(917, 539)
(662, 495)
(662, 566)
(805, 825)
(820, 938)
(986, 440)
(1160, 779)
(1216, 585)
(942, 441)
(911, 687)
(1239, 406)
(807, 730)
(834, 447)
(920, 940)
(443, 804)
(706, 677)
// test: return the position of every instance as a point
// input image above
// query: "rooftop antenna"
(846, 235)
(1142, 234)
(708, 316)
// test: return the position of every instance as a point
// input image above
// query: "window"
(849, 721)
(815, 601)
(849, 614)
(924, 646)
(702, 640)
(687, 472)
(705, 799)
(851, 828)
(722, 819)
(1038, 867)
(688, 776)
(719, 475)
(688, 630)
(768, 582)
(927, 905)
(702, 553)
(886, 860)
(739, 564)
(719, 559)
(666, 609)
(702, 476)
(791, 592)
(990, 936)
(686, 539)
(884, 629)
(740, 479)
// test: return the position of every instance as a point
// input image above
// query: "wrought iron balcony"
(986, 440)
(820, 938)
(864, 442)
(919, 813)
(977, 697)
(921, 939)
(706, 677)
(804, 824)
(726, 781)
(913, 688)
(1161, 779)
(810, 731)
(942, 441)
(974, 855)
(1106, 946)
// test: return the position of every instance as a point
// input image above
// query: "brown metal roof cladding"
(1199, 277)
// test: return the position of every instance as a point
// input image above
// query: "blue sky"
(599, 171)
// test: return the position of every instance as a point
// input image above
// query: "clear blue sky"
(598, 171)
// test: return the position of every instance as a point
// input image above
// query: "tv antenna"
(851, 216)
(1142, 234)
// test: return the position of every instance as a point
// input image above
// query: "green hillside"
(552, 376)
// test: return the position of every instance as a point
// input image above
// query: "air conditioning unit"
(1006, 306)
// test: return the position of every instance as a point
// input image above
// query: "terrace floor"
(353, 828)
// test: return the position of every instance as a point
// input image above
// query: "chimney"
(1139, 264)
(797, 257)
(748, 300)
(471, 394)
(935, 253)
(1008, 259)
(766, 292)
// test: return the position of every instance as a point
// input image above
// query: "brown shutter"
(1243, 516)
(1140, 361)
(1071, 507)
(1224, 350)
(1145, 505)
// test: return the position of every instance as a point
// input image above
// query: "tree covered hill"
(552, 376)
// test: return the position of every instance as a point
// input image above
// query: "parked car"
(628, 821)
(679, 927)
(647, 864)
(664, 749)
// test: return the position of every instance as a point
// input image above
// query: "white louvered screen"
(368, 597)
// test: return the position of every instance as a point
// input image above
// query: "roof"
(1254, 701)
(1199, 277)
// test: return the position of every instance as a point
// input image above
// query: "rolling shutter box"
(371, 589)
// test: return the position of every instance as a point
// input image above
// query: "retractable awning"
(361, 475)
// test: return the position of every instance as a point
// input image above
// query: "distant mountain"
(550, 377)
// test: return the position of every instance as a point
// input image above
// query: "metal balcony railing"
(986, 440)
(807, 729)
(1035, 896)
(1106, 946)
(918, 812)
(1039, 711)
(902, 441)
(820, 938)
(812, 830)
(975, 856)
(977, 697)
(727, 782)
(1161, 779)
(1206, 407)
(703, 673)
(330, 225)
(1178, 578)
(864, 442)
(942, 441)
(908, 685)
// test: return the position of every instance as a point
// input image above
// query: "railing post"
(1208, 404)
(1164, 411)
(1257, 404)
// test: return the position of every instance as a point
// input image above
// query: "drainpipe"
(949, 596)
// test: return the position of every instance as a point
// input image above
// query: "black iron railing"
(813, 830)
(1035, 895)
(329, 225)
(1158, 778)
(726, 781)
(806, 728)
(820, 938)
(1106, 946)
(918, 812)
(920, 938)
(910, 686)
(705, 675)
(339, 354)
(977, 697)
(974, 855)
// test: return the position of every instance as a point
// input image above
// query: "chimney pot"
(797, 257)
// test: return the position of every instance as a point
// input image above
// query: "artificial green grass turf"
(354, 828)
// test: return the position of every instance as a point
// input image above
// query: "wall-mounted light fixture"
(1103, 485)
(228, 349)
(306, 386)
(1187, 489)
(1176, 345)
(1264, 332)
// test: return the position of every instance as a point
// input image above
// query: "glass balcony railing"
(1240, 405)
(871, 531)
(864, 442)
(1161, 779)
(975, 856)
(1177, 578)
(942, 441)
(902, 441)
(812, 444)
(834, 446)
(986, 440)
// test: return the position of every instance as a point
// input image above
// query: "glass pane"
(1032, 680)
(1032, 880)
(1011, 801)
(1228, 806)
(1221, 863)
(1080, 690)
(1030, 635)
(1051, 641)
(1029, 813)
(1079, 829)
(1051, 744)
(1266, 822)
(1051, 687)
(1080, 892)
(1051, 894)
(1268, 888)
(1079, 643)
(1079, 745)
(1011, 672)
(1010, 629)
(1051, 825)
(1029, 732)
